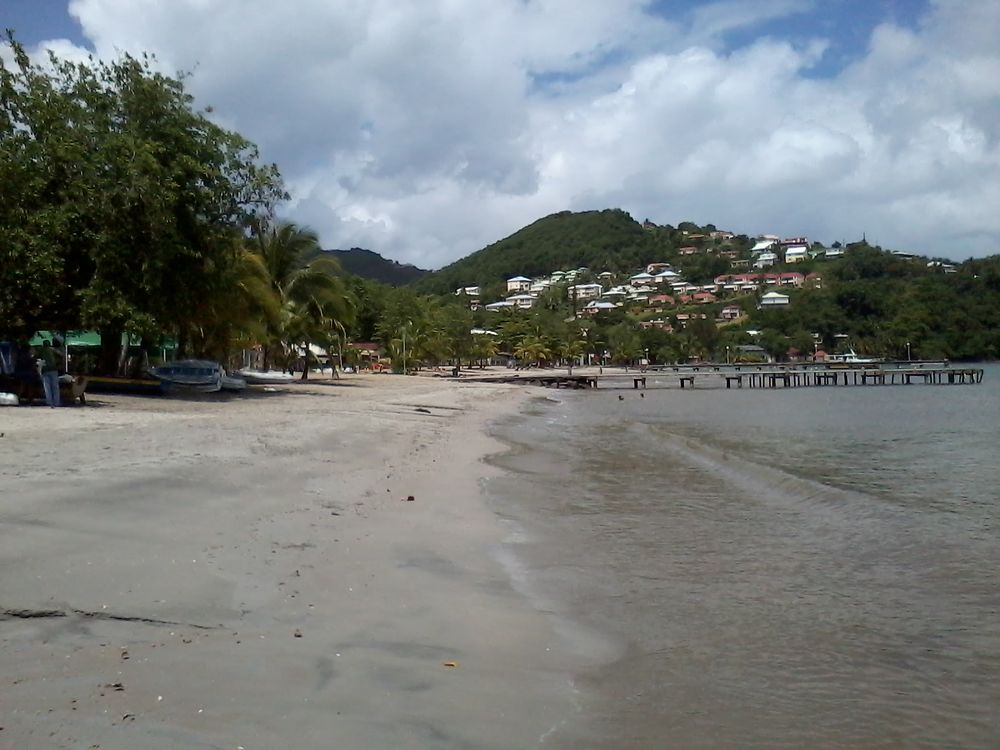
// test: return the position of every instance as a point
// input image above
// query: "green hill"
(370, 265)
(609, 239)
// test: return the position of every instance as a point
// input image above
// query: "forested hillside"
(599, 239)
(370, 265)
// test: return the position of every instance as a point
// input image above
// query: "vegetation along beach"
(276, 466)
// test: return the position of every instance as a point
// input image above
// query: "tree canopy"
(122, 208)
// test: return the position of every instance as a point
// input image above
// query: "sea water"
(802, 568)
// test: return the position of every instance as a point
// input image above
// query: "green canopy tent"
(89, 340)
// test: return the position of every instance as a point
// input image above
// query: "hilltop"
(370, 265)
(605, 239)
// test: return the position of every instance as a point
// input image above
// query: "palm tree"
(314, 300)
(484, 347)
(572, 350)
(241, 312)
(533, 349)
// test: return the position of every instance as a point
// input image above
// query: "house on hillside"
(764, 245)
(501, 305)
(586, 291)
(796, 253)
(518, 284)
(791, 278)
(606, 276)
(766, 260)
(791, 241)
(687, 250)
(666, 276)
(616, 294)
(596, 306)
(661, 299)
(730, 312)
(641, 279)
(523, 301)
(659, 324)
(774, 299)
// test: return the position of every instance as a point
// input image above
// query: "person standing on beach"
(48, 362)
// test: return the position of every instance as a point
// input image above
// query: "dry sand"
(246, 572)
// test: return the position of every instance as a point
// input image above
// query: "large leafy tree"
(121, 206)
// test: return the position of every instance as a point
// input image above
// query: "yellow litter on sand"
(450, 664)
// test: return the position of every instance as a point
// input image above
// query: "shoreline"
(249, 572)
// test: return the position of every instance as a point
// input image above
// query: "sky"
(427, 129)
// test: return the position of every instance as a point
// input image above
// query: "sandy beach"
(248, 572)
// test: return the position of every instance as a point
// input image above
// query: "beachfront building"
(518, 284)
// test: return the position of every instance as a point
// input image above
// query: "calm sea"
(810, 568)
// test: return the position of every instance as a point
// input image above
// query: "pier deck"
(752, 377)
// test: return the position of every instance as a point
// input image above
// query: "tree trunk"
(305, 362)
(111, 344)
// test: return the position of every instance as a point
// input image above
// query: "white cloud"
(426, 129)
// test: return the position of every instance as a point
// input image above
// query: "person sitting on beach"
(48, 363)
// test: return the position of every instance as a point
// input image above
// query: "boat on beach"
(269, 377)
(200, 375)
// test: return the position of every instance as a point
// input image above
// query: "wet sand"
(247, 572)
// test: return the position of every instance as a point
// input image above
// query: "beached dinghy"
(200, 375)
(271, 377)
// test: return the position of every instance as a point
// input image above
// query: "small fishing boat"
(270, 377)
(200, 375)
(233, 383)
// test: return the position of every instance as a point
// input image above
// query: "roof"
(519, 278)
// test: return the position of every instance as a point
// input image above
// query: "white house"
(518, 284)
(665, 277)
(774, 299)
(501, 305)
(523, 301)
(763, 245)
(766, 260)
(796, 253)
(470, 291)
(586, 291)
(641, 279)
(595, 306)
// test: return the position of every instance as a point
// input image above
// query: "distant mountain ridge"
(370, 265)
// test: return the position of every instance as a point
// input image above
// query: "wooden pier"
(752, 377)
